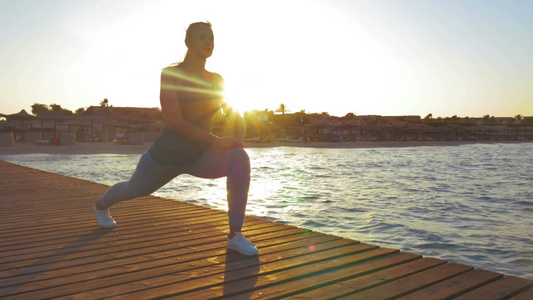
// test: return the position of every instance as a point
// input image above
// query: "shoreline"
(112, 148)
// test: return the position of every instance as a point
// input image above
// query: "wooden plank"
(97, 239)
(455, 286)
(54, 219)
(133, 279)
(153, 208)
(89, 221)
(39, 238)
(179, 257)
(119, 249)
(379, 277)
(500, 289)
(237, 282)
(324, 280)
(170, 223)
(177, 220)
(122, 248)
(239, 270)
(409, 284)
(97, 263)
(200, 259)
(44, 238)
(525, 295)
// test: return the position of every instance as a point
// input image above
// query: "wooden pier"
(51, 247)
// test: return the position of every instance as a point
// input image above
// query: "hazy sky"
(385, 57)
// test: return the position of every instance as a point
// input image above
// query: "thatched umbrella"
(21, 116)
(134, 120)
(157, 124)
(145, 121)
(112, 123)
(128, 120)
(55, 117)
(92, 118)
(2, 116)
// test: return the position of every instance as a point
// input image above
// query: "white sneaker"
(240, 244)
(104, 218)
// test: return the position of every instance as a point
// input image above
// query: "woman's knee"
(239, 160)
(140, 190)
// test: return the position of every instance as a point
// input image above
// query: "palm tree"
(104, 103)
(282, 109)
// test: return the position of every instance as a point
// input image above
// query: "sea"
(470, 204)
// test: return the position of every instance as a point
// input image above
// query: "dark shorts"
(173, 149)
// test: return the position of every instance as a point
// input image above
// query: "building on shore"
(301, 127)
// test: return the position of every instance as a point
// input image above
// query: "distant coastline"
(112, 148)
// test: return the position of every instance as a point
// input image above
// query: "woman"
(190, 96)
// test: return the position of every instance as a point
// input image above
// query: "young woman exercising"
(190, 96)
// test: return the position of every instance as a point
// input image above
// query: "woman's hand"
(229, 143)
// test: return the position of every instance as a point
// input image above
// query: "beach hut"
(21, 116)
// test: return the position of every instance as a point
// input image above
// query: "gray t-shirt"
(199, 100)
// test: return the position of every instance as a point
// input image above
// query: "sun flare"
(237, 98)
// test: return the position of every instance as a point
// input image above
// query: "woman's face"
(201, 41)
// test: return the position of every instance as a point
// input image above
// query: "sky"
(368, 57)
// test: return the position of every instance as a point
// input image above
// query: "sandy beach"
(97, 148)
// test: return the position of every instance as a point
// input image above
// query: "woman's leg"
(149, 176)
(235, 164)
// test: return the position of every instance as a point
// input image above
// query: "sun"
(238, 97)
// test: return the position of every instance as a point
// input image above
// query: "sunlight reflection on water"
(470, 204)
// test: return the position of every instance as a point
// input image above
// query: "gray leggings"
(214, 163)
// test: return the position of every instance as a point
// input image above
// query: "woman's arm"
(171, 109)
(240, 127)
(234, 118)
